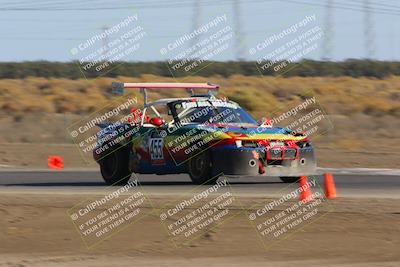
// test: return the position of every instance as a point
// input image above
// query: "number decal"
(156, 149)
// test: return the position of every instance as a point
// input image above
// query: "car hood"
(247, 131)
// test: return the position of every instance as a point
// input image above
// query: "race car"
(201, 135)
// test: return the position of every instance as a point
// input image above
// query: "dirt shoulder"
(38, 232)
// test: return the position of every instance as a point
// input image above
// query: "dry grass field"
(260, 95)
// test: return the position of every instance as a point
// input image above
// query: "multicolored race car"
(201, 135)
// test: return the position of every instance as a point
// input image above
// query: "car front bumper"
(235, 161)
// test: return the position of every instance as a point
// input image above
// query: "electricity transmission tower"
(240, 47)
(369, 37)
(105, 44)
(328, 32)
(196, 21)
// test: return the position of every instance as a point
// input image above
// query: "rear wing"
(118, 88)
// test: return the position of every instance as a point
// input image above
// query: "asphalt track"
(349, 183)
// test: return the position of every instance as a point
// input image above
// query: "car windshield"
(220, 112)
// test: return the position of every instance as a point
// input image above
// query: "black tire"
(115, 167)
(290, 179)
(200, 169)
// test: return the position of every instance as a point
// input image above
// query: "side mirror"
(156, 121)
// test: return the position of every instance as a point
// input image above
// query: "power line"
(63, 3)
(144, 4)
(382, 9)
(377, 4)
(350, 7)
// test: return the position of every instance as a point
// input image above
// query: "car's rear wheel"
(114, 167)
(290, 179)
(200, 169)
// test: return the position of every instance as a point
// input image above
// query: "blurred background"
(58, 60)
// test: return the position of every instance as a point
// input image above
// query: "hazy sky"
(30, 32)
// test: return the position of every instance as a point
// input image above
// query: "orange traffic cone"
(55, 162)
(330, 188)
(306, 194)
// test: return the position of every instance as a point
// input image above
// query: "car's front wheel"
(200, 169)
(289, 179)
(114, 167)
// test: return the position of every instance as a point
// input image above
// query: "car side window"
(158, 115)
